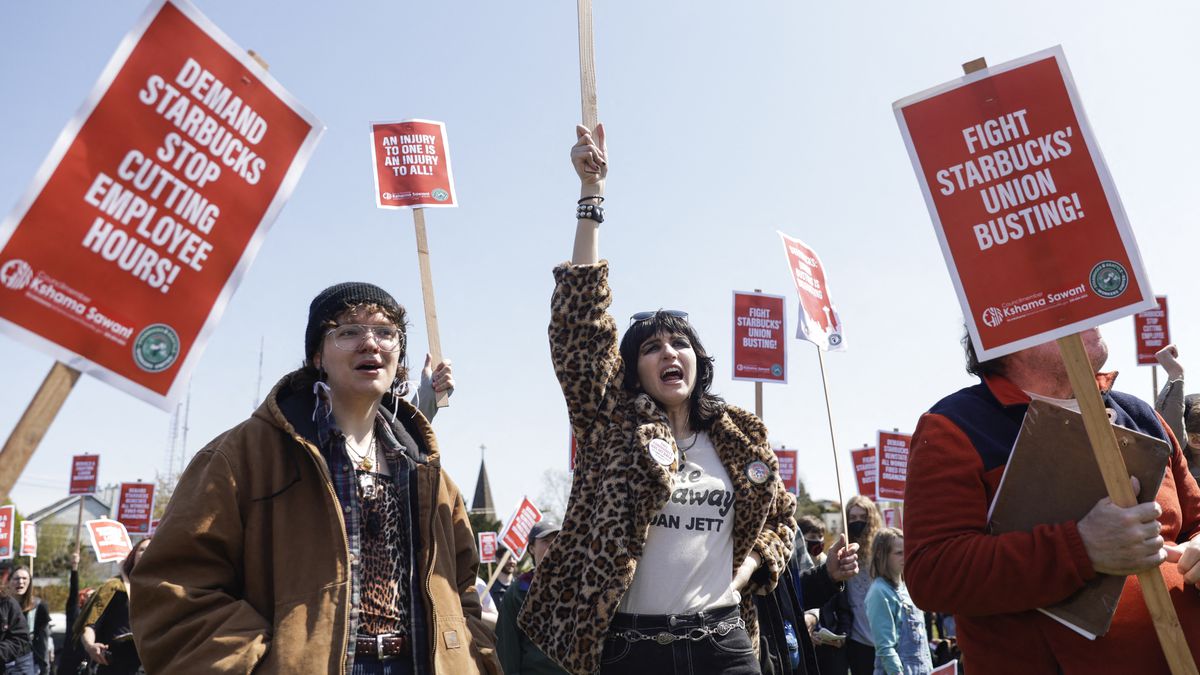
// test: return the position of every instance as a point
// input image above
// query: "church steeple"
(482, 502)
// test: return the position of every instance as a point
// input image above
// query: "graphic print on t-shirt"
(699, 501)
(687, 563)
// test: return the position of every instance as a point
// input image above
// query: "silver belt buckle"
(664, 638)
(379, 647)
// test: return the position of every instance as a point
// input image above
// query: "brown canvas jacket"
(249, 569)
(618, 487)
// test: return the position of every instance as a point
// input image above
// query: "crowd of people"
(322, 535)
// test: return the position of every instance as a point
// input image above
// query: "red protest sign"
(8, 515)
(865, 471)
(110, 540)
(137, 228)
(946, 669)
(892, 518)
(84, 471)
(135, 508)
(411, 161)
(819, 322)
(487, 547)
(1152, 332)
(891, 466)
(1030, 224)
(787, 469)
(759, 347)
(515, 535)
(29, 538)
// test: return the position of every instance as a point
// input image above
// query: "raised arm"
(583, 335)
(590, 159)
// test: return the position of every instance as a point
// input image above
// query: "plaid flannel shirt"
(332, 443)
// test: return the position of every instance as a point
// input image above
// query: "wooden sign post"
(496, 574)
(1116, 480)
(79, 527)
(431, 322)
(587, 67)
(758, 389)
(34, 422)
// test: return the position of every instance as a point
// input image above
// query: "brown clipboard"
(1052, 477)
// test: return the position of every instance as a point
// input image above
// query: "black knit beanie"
(336, 299)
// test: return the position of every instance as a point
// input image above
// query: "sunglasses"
(642, 316)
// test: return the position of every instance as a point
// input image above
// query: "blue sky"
(726, 123)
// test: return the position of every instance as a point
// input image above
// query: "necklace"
(683, 450)
(364, 459)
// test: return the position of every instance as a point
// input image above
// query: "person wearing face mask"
(810, 545)
(321, 535)
(863, 521)
(831, 613)
(677, 513)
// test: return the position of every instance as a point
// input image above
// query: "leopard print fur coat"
(618, 487)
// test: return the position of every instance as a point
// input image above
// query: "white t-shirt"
(485, 600)
(687, 565)
(1068, 403)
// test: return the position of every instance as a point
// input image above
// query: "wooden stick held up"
(496, 574)
(431, 322)
(587, 66)
(34, 423)
(837, 469)
(1116, 479)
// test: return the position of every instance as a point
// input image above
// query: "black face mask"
(814, 547)
(856, 529)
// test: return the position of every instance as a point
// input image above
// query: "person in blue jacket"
(897, 626)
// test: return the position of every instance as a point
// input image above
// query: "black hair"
(704, 407)
(974, 365)
(131, 559)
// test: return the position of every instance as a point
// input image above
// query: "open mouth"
(369, 367)
(671, 375)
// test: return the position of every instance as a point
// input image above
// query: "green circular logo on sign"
(156, 348)
(1109, 279)
(776, 370)
(440, 194)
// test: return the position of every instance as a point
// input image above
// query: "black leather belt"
(382, 647)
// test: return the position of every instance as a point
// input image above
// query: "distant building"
(66, 511)
(482, 503)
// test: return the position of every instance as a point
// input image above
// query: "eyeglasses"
(642, 316)
(351, 336)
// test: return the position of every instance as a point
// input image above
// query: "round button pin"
(662, 452)
(757, 472)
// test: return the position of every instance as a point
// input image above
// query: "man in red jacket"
(993, 584)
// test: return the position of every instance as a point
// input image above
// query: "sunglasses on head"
(642, 316)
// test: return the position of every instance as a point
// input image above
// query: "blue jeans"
(369, 665)
(729, 654)
(23, 665)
